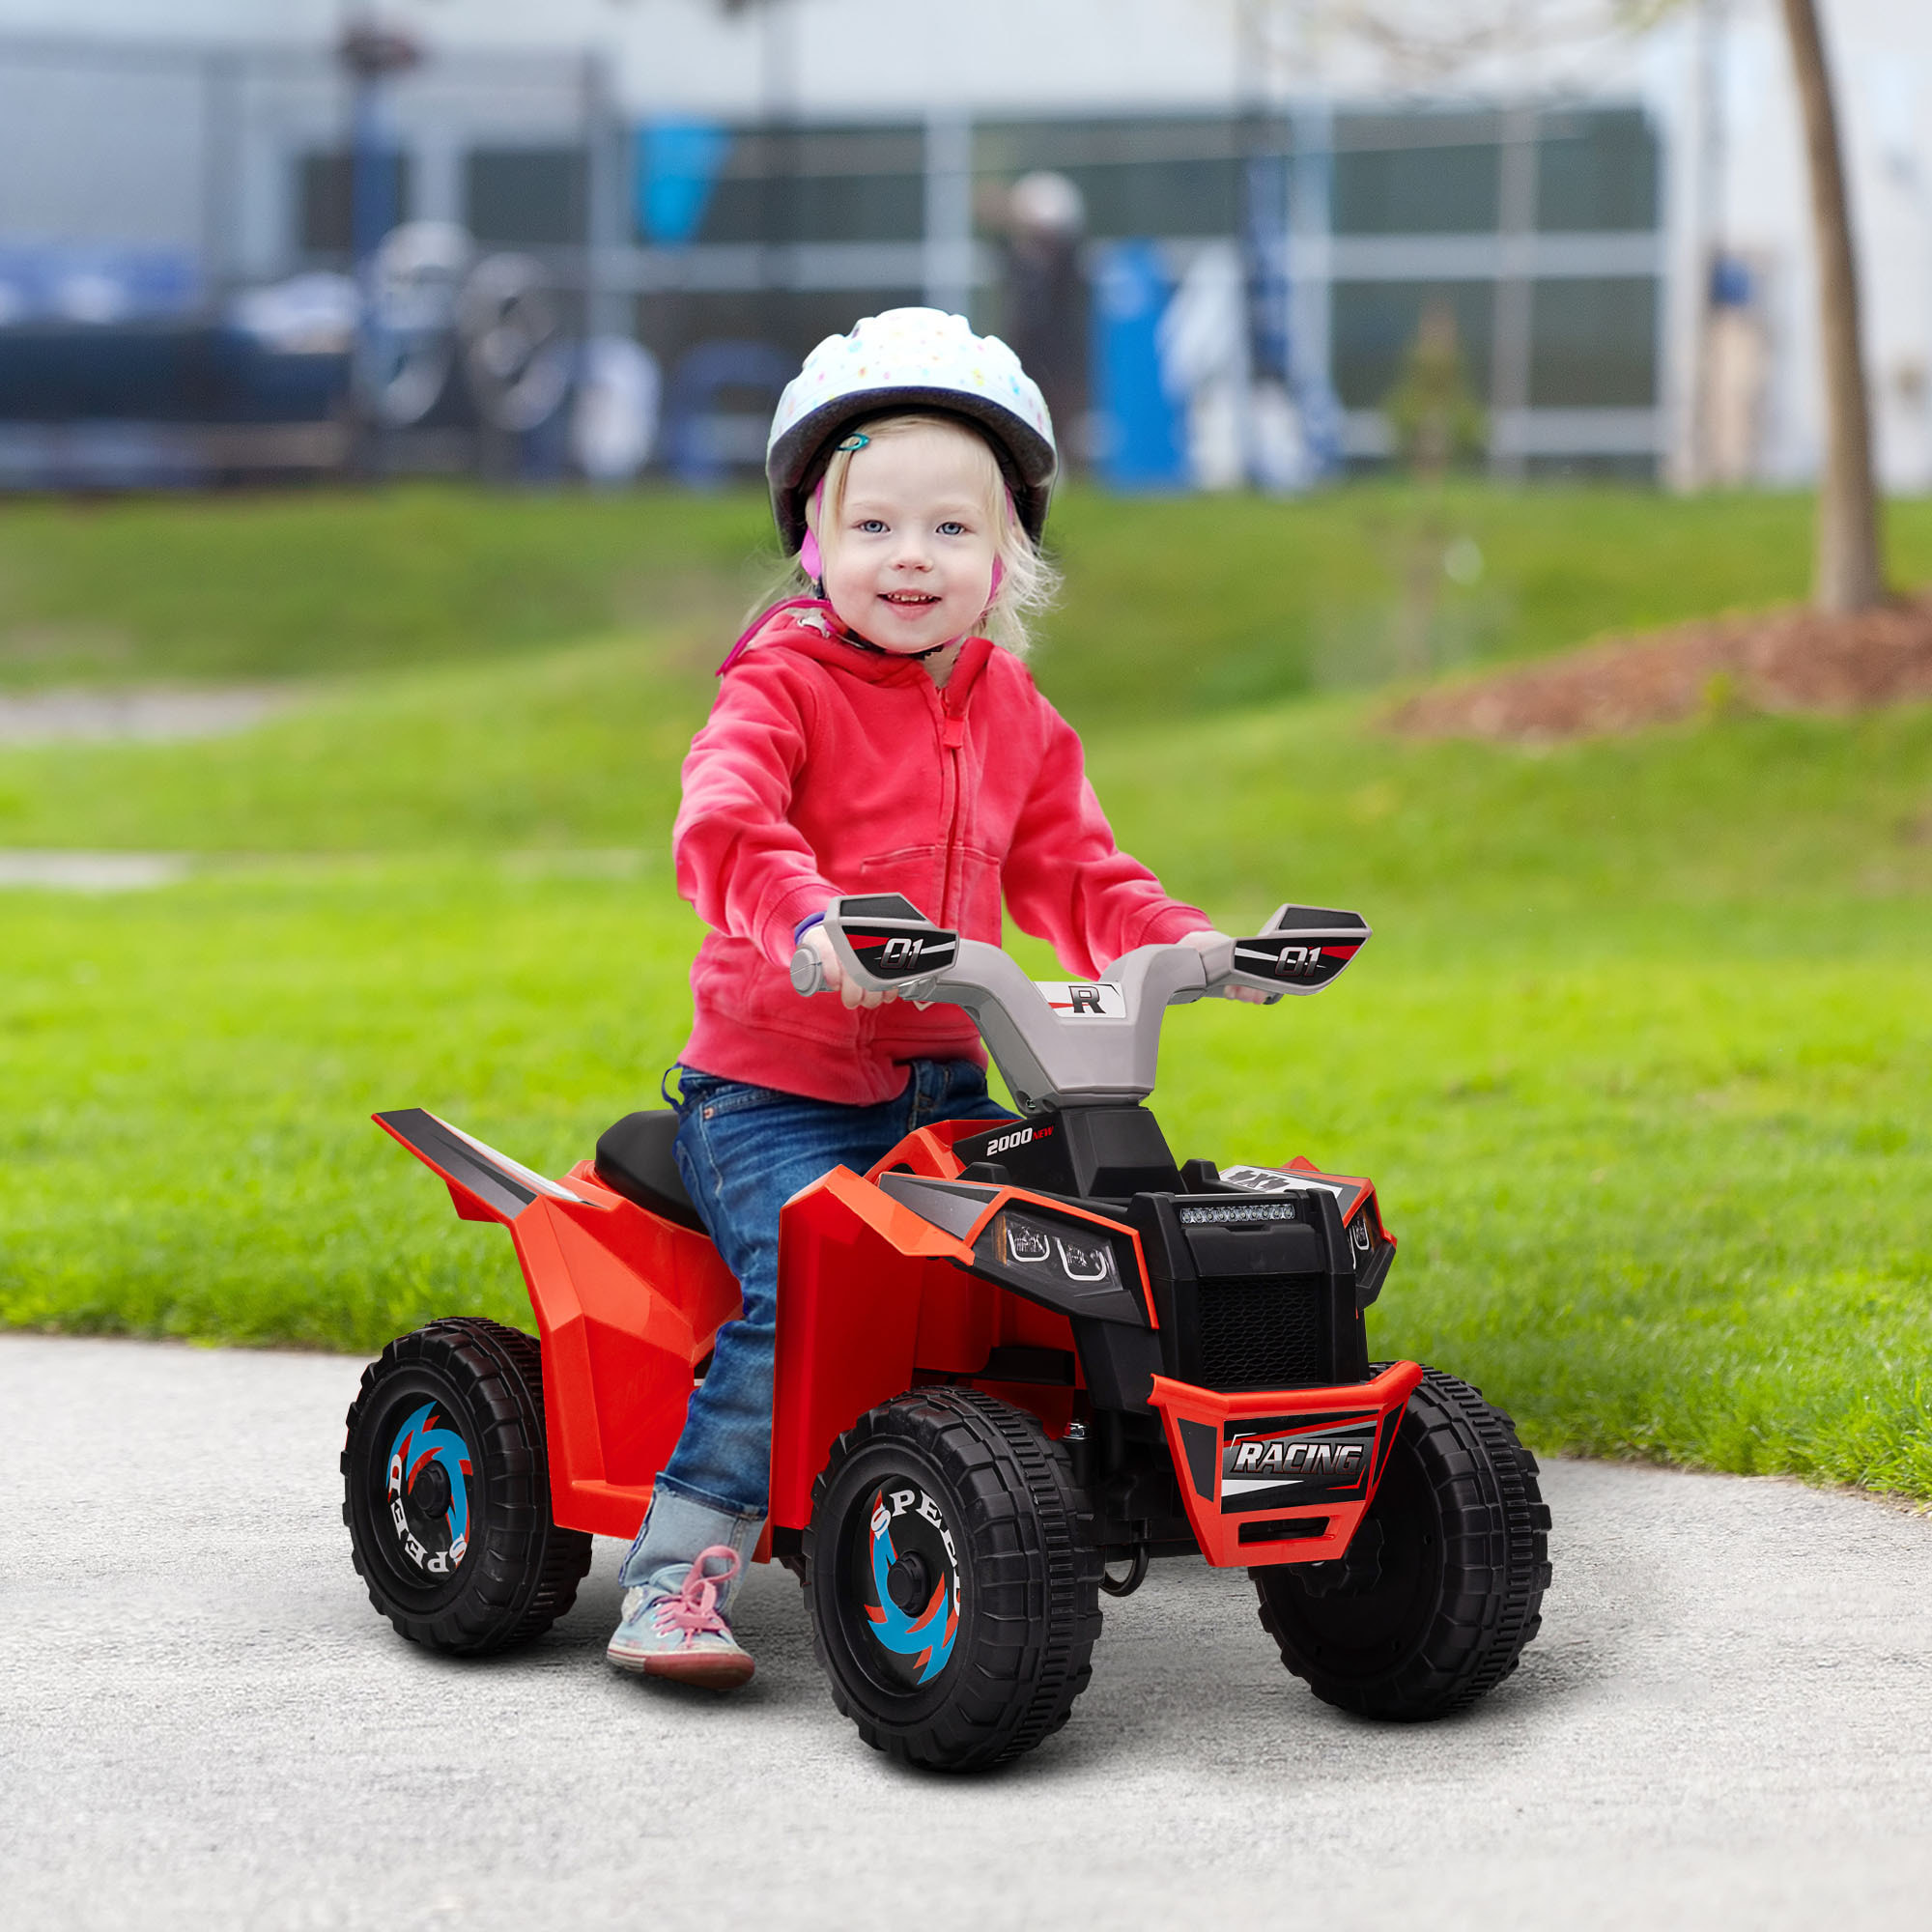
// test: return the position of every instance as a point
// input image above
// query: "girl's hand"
(1217, 954)
(836, 978)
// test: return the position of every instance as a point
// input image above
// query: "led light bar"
(1241, 1210)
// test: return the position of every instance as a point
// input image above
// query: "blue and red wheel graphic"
(910, 1597)
(428, 1491)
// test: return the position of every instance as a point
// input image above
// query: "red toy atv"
(1013, 1365)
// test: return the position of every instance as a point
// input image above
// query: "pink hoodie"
(825, 769)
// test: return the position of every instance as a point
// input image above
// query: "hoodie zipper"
(951, 741)
(950, 728)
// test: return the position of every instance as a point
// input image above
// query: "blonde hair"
(1028, 581)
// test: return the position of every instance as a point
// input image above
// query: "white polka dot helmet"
(910, 359)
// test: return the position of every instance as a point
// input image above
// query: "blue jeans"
(743, 1152)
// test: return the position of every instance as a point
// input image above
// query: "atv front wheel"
(1440, 1588)
(446, 1489)
(952, 1579)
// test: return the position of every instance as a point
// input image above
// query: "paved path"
(1728, 1721)
(148, 716)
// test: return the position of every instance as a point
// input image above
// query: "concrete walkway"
(1728, 1721)
(141, 715)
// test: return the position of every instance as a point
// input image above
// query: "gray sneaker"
(681, 1633)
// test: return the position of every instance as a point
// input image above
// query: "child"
(867, 738)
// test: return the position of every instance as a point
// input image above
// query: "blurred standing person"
(1047, 298)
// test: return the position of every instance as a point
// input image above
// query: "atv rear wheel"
(446, 1489)
(952, 1579)
(1440, 1588)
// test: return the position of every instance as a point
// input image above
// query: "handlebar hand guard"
(884, 943)
(1301, 950)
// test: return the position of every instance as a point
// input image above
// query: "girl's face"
(910, 565)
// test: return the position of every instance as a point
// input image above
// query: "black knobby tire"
(992, 1558)
(1442, 1586)
(446, 1489)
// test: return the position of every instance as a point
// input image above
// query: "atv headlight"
(1030, 1246)
(1074, 1265)
(1364, 1236)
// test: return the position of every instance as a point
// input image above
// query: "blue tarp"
(1142, 435)
(161, 372)
(95, 282)
(674, 164)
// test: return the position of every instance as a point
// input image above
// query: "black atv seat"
(634, 1159)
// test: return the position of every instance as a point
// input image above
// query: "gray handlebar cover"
(1100, 1041)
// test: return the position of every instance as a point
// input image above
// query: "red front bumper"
(1283, 1475)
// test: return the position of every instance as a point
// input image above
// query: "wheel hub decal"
(921, 1635)
(420, 1447)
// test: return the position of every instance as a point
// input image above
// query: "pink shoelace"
(694, 1609)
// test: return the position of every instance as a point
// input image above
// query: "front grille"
(1261, 1334)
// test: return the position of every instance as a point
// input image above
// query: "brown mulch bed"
(1790, 660)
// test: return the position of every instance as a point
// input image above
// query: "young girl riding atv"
(878, 734)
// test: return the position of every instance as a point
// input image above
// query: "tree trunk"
(1848, 572)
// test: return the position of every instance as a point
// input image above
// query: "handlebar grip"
(807, 972)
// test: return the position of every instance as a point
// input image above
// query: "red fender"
(627, 1304)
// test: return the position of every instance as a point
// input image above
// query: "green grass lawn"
(1639, 1054)
(1188, 604)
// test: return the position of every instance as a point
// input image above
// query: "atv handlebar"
(1066, 1042)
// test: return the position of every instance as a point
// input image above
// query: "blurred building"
(1616, 226)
